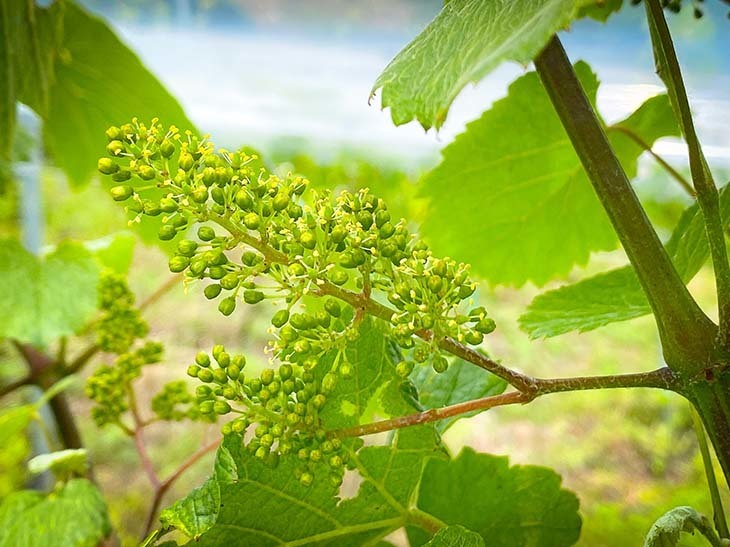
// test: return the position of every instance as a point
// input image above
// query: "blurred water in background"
(292, 73)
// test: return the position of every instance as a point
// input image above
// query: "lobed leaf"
(507, 506)
(75, 515)
(617, 295)
(527, 209)
(465, 42)
(87, 97)
(50, 297)
(264, 506)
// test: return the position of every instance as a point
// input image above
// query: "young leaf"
(508, 506)
(50, 297)
(372, 387)
(195, 513)
(466, 41)
(264, 506)
(518, 185)
(88, 97)
(617, 295)
(461, 382)
(63, 462)
(455, 536)
(666, 530)
(73, 515)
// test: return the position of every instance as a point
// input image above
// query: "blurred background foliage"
(292, 79)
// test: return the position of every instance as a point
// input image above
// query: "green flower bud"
(206, 233)
(114, 133)
(252, 221)
(280, 318)
(186, 247)
(473, 337)
(233, 372)
(167, 149)
(205, 375)
(193, 371)
(329, 382)
(107, 166)
(197, 266)
(209, 176)
(212, 291)
(151, 208)
(167, 232)
(200, 194)
(168, 205)
(121, 193)
(207, 407)
(285, 371)
(227, 305)
(249, 258)
(216, 272)
(404, 368)
(220, 376)
(218, 195)
(486, 325)
(115, 148)
(338, 277)
(281, 201)
(338, 234)
(308, 240)
(146, 172)
(202, 359)
(122, 176)
(306, 479)
(186, 161)
(178, 263)
(244, 199)
(465, 291)
(221, 407)
(252, 297)
(318, 401)
(230, 281)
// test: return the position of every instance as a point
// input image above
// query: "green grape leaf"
(666, 530)
(617, 295)
(461, 382)
(63, 462)
(465, 42)
(29, 38)
(515, 179)
(508, 506)
(88, 97)
(455, 536)
(50, 297)
(195, 513)
(372, 388)
(74, 514)
(264, 506)
(114, 251)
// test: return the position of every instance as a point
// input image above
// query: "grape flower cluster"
(118, 329)
(259, 237)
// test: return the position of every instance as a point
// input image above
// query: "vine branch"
(707, 195)
(686, 332)
(662, 378)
